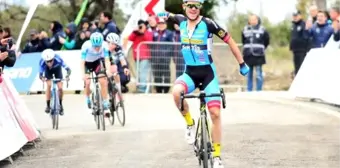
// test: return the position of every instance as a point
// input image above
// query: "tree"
(175, 6)
(322, 4)
(63, 11)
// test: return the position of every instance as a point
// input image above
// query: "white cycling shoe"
(190, 134)
(217, 162)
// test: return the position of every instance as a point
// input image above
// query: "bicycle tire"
(95, 110)
(57, 109)
(56, 121)
(100, 108)
(121, 120)
(112, 104)
(53, 120)
(204, 143)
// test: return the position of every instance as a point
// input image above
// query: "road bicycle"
(97, 102)
(203, 143)
(116, 106)
(54, 102)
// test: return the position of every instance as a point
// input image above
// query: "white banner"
(318, 76)
(12, 137)
(28, 18)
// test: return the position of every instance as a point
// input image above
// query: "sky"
(274, 10)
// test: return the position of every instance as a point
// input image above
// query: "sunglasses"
(197, 6)
(49, 61)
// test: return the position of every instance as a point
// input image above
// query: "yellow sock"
(188, 119)
(217, 149)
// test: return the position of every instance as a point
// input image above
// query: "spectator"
(160, 60)
(152, 21)
(34, 44)
(319, 32)
(178, 57)
(84, 34)
(336, 28)
(85, 24)
(7, 57)
(255, 40)
(313, 12)
(1, 32)
(94, 26)
(108, 26)
(44, 40)
(57, 32)
(298, 41)
(71, 30)
(136, 37)
(8, 35)
(334, 14)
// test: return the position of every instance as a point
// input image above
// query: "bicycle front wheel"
(55, 121)
(101, 109)
(120, 110)
(95, 109)
(204, 143)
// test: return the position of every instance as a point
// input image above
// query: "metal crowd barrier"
(166, 63)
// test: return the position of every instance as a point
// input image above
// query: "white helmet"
(112, 38)
(48, 54)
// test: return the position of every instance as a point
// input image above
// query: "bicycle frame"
(203, 135)
(55, 107)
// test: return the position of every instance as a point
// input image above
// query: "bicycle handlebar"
(56, 80)
(97, 77)
(202, 95)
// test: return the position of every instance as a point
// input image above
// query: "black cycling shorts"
(203, 77)
(57, 72)
(95, 67)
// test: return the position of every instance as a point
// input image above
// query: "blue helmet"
(200, 1)
(96, 39)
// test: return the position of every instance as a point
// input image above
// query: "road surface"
(258, 132)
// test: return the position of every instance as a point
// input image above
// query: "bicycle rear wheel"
(204, 143)
(120, 111)
(112, 94)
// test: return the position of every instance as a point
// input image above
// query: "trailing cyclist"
(93, 52)
(196, 37)
(117, 57)
(51, 65)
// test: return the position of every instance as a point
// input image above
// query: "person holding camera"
(7, 57)
(139, 35)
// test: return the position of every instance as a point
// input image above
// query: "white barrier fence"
(318, 77)
(17, 126)
(166, 64)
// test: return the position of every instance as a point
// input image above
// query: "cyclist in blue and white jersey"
(51, 64)
(196, 37)
(93, 53)
(117, 57)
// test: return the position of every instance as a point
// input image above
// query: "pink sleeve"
(132, 37)
(148, 36)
